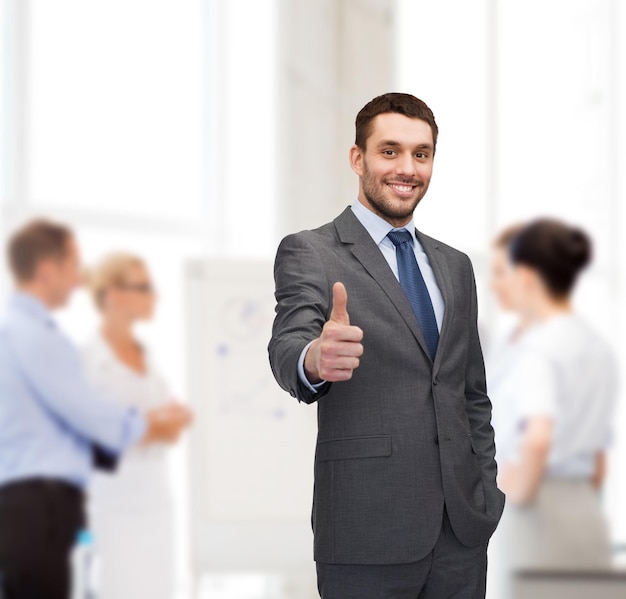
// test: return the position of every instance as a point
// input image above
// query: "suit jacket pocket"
(349, 448)
(479, 488)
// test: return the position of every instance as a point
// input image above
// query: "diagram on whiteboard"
(244, 328)
(252, 441)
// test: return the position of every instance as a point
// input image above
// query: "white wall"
(334, 55)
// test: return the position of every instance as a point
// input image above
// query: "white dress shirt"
(378, 228)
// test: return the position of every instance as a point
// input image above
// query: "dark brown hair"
(557, 251)
(405, 104)
(35, 241)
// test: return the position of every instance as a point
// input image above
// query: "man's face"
(396, 166)
(63, 275)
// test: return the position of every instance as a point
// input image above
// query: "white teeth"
(403, 188)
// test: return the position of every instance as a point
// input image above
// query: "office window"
(442, 54)
(146, 125)
(554, 118)
(114, 120)
(245, 161)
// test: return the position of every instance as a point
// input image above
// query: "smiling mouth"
(402, 188)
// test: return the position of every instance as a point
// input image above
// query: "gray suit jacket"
(404, 436)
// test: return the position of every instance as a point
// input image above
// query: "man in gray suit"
(405, 495)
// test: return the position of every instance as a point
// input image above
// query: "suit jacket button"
(436, 440)
(436, 382)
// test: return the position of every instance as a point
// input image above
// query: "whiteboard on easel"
(252, 444)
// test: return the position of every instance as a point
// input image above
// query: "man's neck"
(395, 223)
(38, 293)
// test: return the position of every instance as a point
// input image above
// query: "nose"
(405, 165)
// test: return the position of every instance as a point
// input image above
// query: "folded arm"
(521, 481)
(52, 367)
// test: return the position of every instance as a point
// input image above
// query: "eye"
(389, 152)
(421, 155)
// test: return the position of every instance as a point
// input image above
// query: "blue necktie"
(414, 287)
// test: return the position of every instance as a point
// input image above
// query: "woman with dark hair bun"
(553, 251)
(556, 407)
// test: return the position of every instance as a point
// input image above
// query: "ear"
(356, 160)
(45, 270)
(529, 277)
(532, 277)
(112, 298)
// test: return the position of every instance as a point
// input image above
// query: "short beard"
(389, 212)
(383, 208)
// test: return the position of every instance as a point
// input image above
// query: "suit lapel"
(351, 231)
(441, 270)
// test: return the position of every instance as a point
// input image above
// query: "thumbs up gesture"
(335, 354)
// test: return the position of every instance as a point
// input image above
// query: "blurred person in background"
(502, 359)
(131, 512)
(502, 282)
(52, 421)
(501, 362)
(558, 399)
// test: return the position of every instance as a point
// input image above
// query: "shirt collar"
(103, 355)
(100, 351)
(27, 302)
(378, 227)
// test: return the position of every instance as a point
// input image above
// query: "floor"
(268, 585)
(260, 585)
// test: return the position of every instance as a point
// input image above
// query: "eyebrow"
(396, 144)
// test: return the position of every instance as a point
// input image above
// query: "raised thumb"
(339, 313)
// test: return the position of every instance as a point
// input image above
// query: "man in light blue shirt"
(52, 422)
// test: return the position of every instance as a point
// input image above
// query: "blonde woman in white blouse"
(131, 511)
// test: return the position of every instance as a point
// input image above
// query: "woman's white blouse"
(141, 479)
(131, 510)
(562, 369)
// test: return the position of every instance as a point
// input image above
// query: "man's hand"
(165, 423)
(335, 354)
